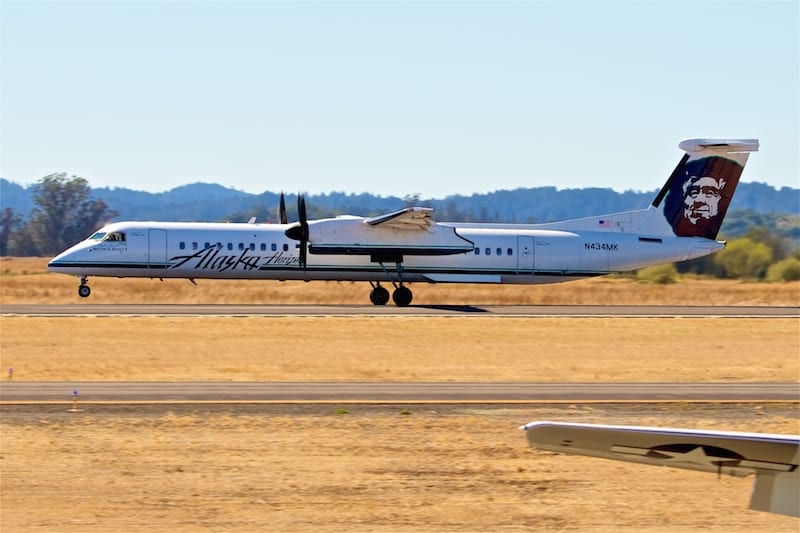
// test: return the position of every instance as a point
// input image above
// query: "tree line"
(65, 212)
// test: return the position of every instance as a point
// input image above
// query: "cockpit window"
(116, 236)
(98, 236)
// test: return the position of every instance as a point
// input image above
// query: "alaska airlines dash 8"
(409, 246)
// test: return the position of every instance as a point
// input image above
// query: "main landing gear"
(378, 295)
(83, 289)
(401, 296)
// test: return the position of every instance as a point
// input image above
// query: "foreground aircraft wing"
(773, 458)
(413, 218)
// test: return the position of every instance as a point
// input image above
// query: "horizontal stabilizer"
(721, 145)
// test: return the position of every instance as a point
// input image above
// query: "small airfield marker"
(74, 408)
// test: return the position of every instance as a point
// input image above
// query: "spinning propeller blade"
(282, 211)
(301, 213)
(299, 231)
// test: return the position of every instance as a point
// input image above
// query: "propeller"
(299, 232)
(282, 211)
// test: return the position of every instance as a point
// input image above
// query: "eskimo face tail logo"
(699, 197)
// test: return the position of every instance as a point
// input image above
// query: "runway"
(393, 392)
(392, 311)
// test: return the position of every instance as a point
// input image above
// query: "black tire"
(402, 296)
(379, 296)
(84, 291)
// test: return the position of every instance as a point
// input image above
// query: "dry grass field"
(26, 280)
(372, 468)
(474, 348)
(306, 468)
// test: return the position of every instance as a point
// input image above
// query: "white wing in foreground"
(773, 458)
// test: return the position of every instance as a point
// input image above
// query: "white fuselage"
(544, 253)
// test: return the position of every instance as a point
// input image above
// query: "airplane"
(773, 458)
(409, 246)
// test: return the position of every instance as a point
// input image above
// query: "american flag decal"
(604, 223)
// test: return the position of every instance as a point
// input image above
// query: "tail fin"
(697, 194)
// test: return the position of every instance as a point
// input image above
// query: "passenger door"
(157, 249)
(525, 255)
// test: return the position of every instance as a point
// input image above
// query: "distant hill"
(213, 202)
(19, 198)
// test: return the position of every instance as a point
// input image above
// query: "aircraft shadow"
(454, 308)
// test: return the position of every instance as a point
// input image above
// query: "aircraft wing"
(387, 238)
(773, 458)
(413, 218)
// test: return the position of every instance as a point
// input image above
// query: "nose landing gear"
(83, 289)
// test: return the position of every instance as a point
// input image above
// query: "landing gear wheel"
(402, 296)
(84, 291)
(379, 296)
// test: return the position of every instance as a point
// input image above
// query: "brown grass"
(400, 349)
(373, 470)
(26, 280)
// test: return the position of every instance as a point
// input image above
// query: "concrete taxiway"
(368, 392)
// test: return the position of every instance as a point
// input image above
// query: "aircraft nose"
(54, 265)
(64, 260)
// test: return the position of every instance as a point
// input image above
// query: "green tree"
(744, 258)
(262, 213)
(412, 200)
(9, 222)
(764, 235)
(64, 214)
(661, 274)
(786, 270)
(21, 243)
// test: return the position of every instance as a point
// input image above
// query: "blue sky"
(435, 98)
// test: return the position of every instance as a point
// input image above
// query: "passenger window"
(286, 247)
(182, 246)
(241, 246)
(194, 246)
(274, 247)
(477, 251)
(499, 251)
(263, 247)
(488, 251)
(252, 246)
(230, 246)
(510, 251)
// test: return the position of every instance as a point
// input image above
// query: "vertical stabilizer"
(699, 191)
